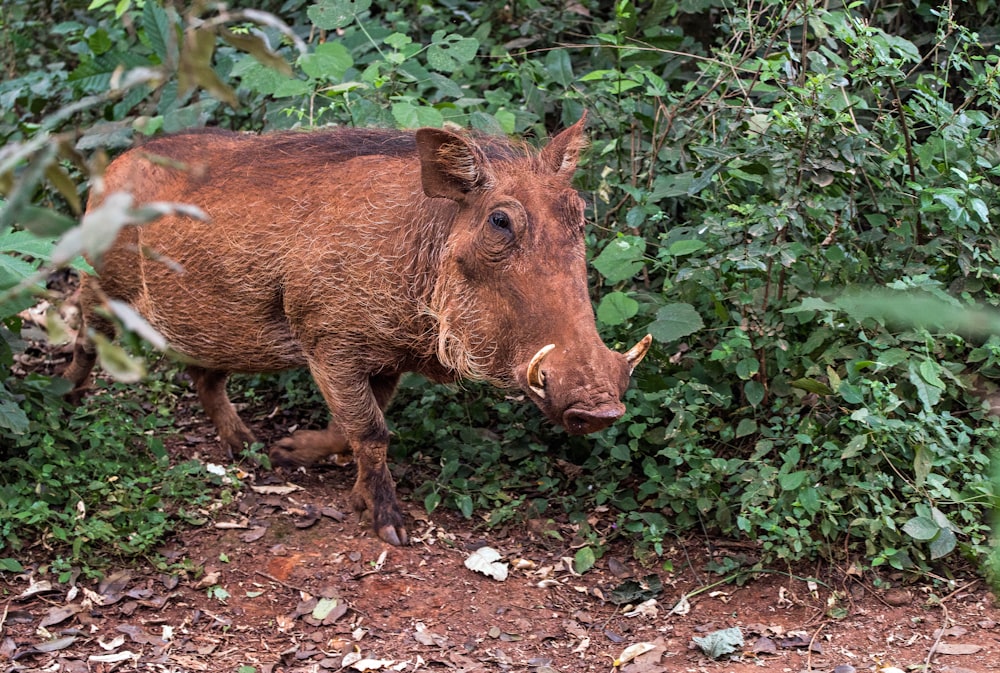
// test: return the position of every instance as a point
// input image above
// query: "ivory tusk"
(635, 354)
(536, 380)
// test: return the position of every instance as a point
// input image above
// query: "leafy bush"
(750, 165)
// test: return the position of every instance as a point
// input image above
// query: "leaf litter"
(329, 597)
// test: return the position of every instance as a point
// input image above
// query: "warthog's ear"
(563, 151)
(449, 166)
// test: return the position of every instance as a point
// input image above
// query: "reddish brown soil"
(261, 566)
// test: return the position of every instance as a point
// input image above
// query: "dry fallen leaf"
(633, 651)
(372, 664)
(957, 648)
(276, 490)
(485, 560)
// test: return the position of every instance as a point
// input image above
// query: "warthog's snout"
(581, 388)
(586, 421)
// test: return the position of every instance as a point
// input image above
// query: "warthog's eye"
(500, 221)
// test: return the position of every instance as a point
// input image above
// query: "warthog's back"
(308, 233)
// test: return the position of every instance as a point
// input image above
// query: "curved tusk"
(638, 352)
(536, 380)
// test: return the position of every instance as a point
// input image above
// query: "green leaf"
(719, 643)
(675, 321)
(622, 258)
(333, 14)
(464, 504)
(930, 395)
(943, 544)
(850, 393)
(812, 386)
(157, 26)
(11, 565)
(12, 418)
(330, 61)
(854, 447)
(24, 242)
(921, 528)
(410, 116)
(754, 391)
(747, 426)
(559, 66)
(681, 248)
(616, 308)
(451, 53)
(583, 560)
(792, 480)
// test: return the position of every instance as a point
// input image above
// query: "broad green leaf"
(333, 14)
(330, 61)
(747, 426)
(719, 643)
(256, 77)
(157, 25)
(451, 53)
(292, 87)
(754, 391)
(615, 308)
(812, 386)
(410, 116)
(929, 395)
(13, 418)
(921, 528)
(850, 393)
(621, 259)
(680, 248)
(675, 321)
(24, 242)
(854, 447)
(812, 304)
(943, 544)
(11, 565)
(584, 560)
(559, 66)
(929, 372)
(792, 480)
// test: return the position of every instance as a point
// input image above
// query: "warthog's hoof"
(386, 517)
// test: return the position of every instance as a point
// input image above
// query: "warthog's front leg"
(356, 405)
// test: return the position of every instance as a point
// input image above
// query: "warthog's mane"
(337, 144)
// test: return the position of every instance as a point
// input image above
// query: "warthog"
(363, 254)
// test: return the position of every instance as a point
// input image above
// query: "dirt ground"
(286, 579)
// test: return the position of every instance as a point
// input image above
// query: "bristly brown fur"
(361, 254)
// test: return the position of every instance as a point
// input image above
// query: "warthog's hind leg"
(211, 387)
(84, 351)
(308, 447)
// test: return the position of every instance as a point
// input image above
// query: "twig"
(937, 640)
(815, 635)
(962, 588)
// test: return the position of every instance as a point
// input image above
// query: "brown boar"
(363, 254)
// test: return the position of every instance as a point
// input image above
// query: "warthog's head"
(511, 297)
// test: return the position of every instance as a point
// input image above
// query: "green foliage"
(750, 168)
